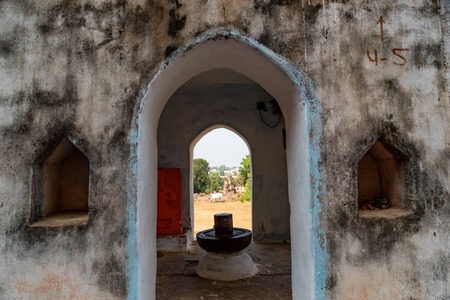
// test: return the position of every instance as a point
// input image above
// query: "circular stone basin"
(230, 243)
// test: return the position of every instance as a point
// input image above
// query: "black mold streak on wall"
(426, 55)
(176, 21)
(311, 12)
(170, 49)
(6, 48)
(267, 6)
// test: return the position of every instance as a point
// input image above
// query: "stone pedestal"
(226, 267)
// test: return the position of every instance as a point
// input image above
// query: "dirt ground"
(204, 212)
(177, 277)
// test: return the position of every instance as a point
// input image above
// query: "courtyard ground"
(177, 278)
(176, 274)
(204, 212)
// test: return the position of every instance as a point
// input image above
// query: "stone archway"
(294, 94)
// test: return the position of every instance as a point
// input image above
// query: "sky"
(221, 147)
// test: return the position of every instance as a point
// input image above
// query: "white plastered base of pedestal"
(226, 267)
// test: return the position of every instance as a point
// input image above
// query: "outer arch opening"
(279, 79)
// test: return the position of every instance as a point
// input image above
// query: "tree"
(201, 177)
(215, 182)
(247, 194)
(222, 169)
(238, 179)
(244, 173)
(245, 170)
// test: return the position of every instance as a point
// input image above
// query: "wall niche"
(380, 180)
(62, 188)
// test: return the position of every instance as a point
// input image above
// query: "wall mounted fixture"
(274, 109)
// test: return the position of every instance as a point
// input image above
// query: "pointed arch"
(297, 100)
(60, 183)
(193, 144)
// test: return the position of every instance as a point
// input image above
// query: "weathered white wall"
(81, 69)
(406, 105)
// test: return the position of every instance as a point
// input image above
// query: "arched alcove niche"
(291, 90)
(61, 187)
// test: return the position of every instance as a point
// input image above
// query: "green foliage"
(201, 177)
(222, 169)
(247, 195)
(215, 182)
(244, 176)
(245, 170)
(238, 180)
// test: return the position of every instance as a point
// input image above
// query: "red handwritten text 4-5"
(397, 58)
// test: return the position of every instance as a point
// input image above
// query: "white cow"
(216, 197)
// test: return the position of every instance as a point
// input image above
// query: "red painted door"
(169, 202)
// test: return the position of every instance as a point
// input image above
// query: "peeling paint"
(133, 259)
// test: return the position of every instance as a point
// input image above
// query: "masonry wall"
(79, 69)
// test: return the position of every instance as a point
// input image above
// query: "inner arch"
(222, 97)
(222, 146)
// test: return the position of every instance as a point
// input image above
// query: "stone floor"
(177, 279)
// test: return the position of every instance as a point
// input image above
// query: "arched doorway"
(221, 97)
(293, 92)
(221, 147)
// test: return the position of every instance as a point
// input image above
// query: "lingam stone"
(225, 259)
